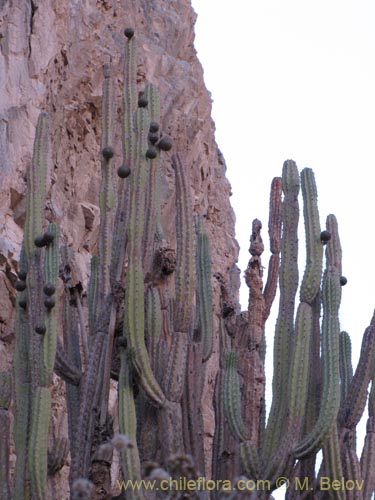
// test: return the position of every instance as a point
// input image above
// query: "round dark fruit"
(40, 241)
(154, 127)
(22, 303)
(49, 289)
(49, 302)
(343, 281)
(122, 341)
(153, 137)
(22, 275)
(151, 153)
(123, 171)
(48, 238)
(165, 143)
(142, 102)
(40, 329)
(20, 285)
(108, 152)
(325, 236)
(129, 33)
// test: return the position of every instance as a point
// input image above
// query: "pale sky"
(296, 79)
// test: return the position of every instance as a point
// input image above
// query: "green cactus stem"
(331, 372)
(185, 268)
(38, 444)
(204, 289)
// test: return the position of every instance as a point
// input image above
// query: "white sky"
(296, 79)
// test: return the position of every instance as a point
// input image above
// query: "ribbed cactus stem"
(355, 402)
(299, 371)
(153, 187)
(314, 249)
(288, 281)
(129, 102)
(232, 398)
(346, 369)
(185, 269)
(331, 372)
(174, 376)
(134, 326)
(93, 293)
(204, 289)
(38, 444)
(107, 198)
(51, 271)
(127, 419)
(333, 250)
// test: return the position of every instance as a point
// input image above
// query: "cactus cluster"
(149, 327)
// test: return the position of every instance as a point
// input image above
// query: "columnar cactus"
(150, 326)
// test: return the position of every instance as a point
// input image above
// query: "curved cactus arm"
(82, 440)
(232, 398)
(204, 290)
(250, 460)
(134, 325)
(274, 231)
(355, 402)
(185, 269)
(38, 444)
(346, 368)
(314, 249)
(36, 182)
(130, 463)
(288, 281)
(330, 400)
(64, 368)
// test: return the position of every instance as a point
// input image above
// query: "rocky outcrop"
(51, 57)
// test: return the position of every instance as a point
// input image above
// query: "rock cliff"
(51, 57)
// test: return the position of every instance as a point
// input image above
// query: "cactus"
(154, 332)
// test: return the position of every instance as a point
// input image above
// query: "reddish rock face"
(51, 59)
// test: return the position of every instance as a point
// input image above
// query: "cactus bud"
(40, 329)
(129, 33)
(153, 137)
(154, 127)
(20, 285)
(22, 303)
(151, 153)
(343, 281)
(48, 238)
(39, 241)
(49, 302)
(108, 152)
(49, 289)
(22, 275)
(142, 102)
(325, 236)
(123, 171)
(165, 143)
